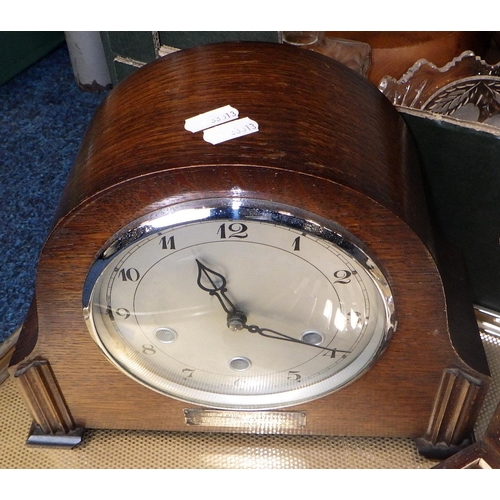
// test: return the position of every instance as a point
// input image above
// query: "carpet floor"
(43, 117)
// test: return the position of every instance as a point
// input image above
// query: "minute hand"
(273, 334)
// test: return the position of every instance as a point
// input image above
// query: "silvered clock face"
(238, 304)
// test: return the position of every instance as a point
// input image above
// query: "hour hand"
(210, 281)
(215, 284)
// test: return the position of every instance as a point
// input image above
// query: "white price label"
(211, 118)
(232, 130)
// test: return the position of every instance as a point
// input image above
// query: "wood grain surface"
(328, 142)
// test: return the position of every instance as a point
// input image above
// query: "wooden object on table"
(328, 142)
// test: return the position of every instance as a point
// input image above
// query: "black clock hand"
(236, 320)
(273, 334)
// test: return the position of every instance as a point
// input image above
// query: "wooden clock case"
(328, 142)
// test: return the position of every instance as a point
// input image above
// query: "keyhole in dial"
(312, 337)
(166, 335)
(240, 364)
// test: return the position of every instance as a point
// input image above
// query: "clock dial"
(236, 304)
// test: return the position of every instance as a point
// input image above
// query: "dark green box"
(21, 49)
(126, 51)
(461, 165)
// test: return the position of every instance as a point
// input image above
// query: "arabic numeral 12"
(235, 230)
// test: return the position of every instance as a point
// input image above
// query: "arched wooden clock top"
(315, 116)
